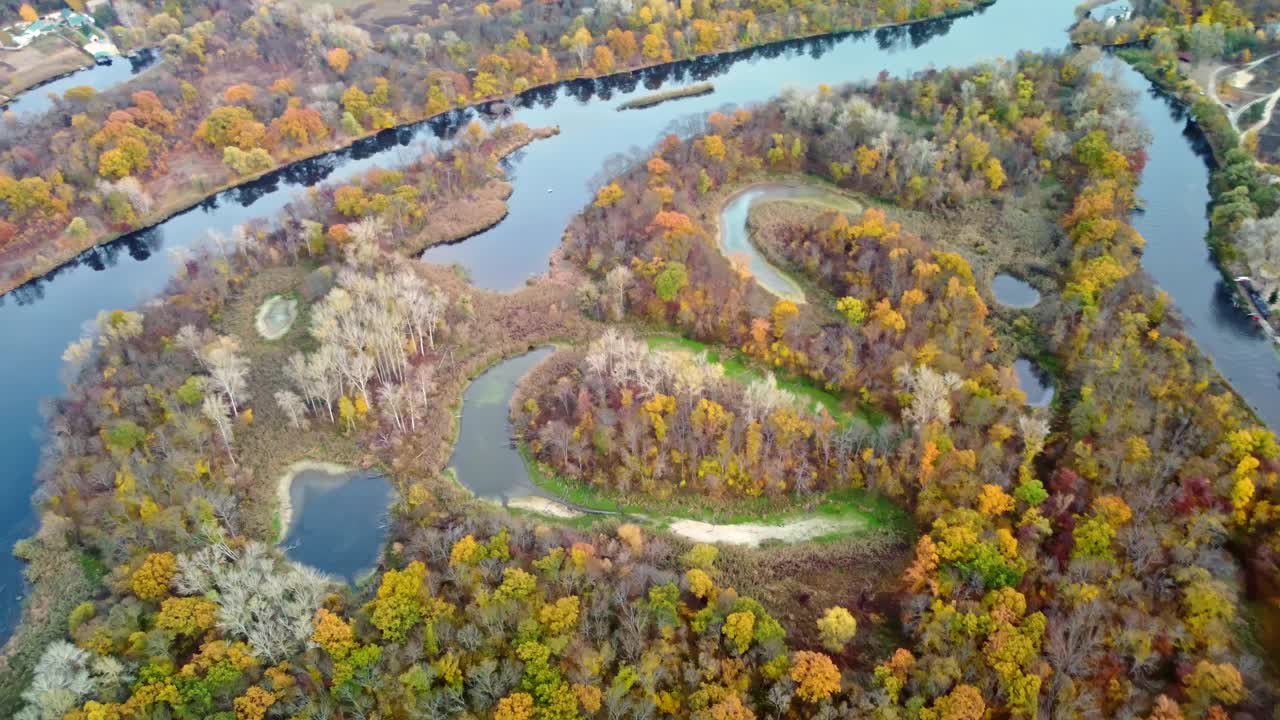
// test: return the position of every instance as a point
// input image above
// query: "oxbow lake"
(38, 320)
(484, 458)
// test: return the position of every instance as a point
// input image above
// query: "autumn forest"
(779, 456)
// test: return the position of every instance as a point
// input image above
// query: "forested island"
(835, 356)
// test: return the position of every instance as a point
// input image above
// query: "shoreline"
(799, 182)
(284, 499)
(260, 317)
(183, 204)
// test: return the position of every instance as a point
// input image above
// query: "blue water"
(339, 521)
(36, 100)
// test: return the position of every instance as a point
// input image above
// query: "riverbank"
(751, 522)
(40, 261)
(1211, 121)
(284, 498)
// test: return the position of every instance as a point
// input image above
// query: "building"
(1111, 13)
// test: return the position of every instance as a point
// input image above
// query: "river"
(42, 317)
(33, 101)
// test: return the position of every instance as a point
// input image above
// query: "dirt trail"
(748, 534)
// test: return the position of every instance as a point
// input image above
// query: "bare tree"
(294, 408)
(930, 394)
(228, 369)
(215, 408)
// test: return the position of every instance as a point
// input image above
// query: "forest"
(1103, 557)
(246, 87)
(1114, 554)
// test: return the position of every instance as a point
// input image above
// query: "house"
(1112, 13)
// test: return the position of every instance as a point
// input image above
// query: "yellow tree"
(603, 60)
(28, 13)
(339, 59)
(581, 44)
(836, 627)
(608, 195)
(816, 677)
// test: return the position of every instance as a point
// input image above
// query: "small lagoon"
(1035, 383)
(484, 458)
(1012, 292)
(338, 519)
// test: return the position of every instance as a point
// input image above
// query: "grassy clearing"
(45, 59)
(739, 367)
(869, 512)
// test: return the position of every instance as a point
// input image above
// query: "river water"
(38, 320)
(99, 77)
(735, 238)
(484, 458)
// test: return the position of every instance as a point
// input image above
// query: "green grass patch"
(738, 366)
(866, 510)
(95, 571)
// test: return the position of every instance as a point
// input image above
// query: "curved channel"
(35, 100)
(42, 317)
(484, 459)
(735, 237)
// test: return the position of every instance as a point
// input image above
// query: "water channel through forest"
(32, 102)
(38, 320)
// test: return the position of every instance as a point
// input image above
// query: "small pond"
(276, 316)
(1034, 381)
(484, 458)
(338, 521)
(1012, 292)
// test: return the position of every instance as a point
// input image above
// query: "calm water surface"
(1035, 383)
(735, 240)
(38, 320)
(483, 458)
(99, 77)
(339, 521)
(1014, 293)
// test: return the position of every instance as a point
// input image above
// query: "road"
(1234, 114)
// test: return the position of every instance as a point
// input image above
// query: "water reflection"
(1034, 382)
(484, 458)
(33, 101)
(339, 520)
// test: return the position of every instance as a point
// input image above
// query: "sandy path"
(543, 506)
(749, 534)
(753, 534)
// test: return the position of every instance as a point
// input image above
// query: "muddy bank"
(284, 496)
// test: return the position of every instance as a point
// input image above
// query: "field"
(43, 60)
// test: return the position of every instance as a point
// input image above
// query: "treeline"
(483, 618)
(1099, 568)
(245, 88)
(1205, 29)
